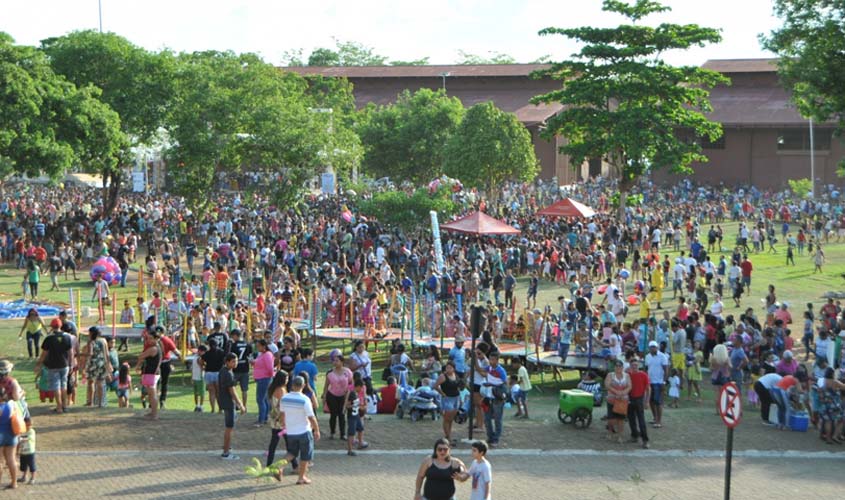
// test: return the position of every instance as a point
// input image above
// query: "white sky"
(398, 29)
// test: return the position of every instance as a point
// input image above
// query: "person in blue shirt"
(457, 355)
(306, 364)
(738, 360)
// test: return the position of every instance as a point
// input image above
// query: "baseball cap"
(653, 343)
(56, 323)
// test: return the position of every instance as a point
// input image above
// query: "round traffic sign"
(730, 404)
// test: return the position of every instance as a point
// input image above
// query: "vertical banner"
(438, 247)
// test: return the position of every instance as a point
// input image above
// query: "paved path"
(390, 475)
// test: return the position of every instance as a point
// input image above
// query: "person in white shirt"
(480, 472)
(657, 364)
(717, 307)
(298, 419)
(679, 277)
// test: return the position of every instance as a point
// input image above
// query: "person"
(437, 473)
(447, 385)
(657, 365)
(198, 378)
(431, 366)
(8, 440)
(458, 355)
(56, 352)
(830, 407)
(524, 381)
(618, 385)
(124, 386)
(739, 360)
(495, 379)
(149, 363)
(26, 450)
(168, 351)
(637, 397)
(360, 363)
(306, 364)
(274, 394)
(229, 402)
(694, 360)
(212, 361)
(263, 373)
(481, 473)
(34, 327)
(243, 350)
(674, 388)
(389, 397)
(33, 276)
(338, 382)
(354, 421)
(98, 368)
(297, 417)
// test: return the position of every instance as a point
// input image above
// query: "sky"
(398, 29)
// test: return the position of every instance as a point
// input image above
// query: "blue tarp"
(19, 308)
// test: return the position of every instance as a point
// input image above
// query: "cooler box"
(799, 422)
(571, 399)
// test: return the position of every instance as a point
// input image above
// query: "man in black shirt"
(243, 350)
(228, 403)
(56, 350)
(219, 336)
(212, 361)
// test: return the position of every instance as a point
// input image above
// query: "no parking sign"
(730, 404)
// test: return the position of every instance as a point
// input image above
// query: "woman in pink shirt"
(335, 392)
(262, 372)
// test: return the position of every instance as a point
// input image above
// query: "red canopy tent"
(567, 207)
(479, 223)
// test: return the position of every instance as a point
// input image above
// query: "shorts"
(57, 379)
(211, 378)
(199, 387)
(679, 361)
(243, 380)
(123, 393)
(301, 446)
(450, 403)
(657, 394)
(354, 424)
(149, 380)
(476, 388)
(42, 395)
(229, 417)
(8, 439)
(746, 280)
(28, 463)
(519, 397)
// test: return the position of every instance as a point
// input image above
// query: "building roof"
(742, 65)
(767, 105)
(436, 71)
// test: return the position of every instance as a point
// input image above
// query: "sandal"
(303, 481)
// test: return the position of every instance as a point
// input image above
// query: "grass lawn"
(797, 285)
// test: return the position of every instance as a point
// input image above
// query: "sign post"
(730, 409)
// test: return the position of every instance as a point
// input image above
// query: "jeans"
(494, 415)
(123, 273)
(261, 386)
(780, 398)
(33, 339)
(636, 418)
(563, 351)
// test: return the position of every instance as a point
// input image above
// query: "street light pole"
(812, 161)
(100, 9)
(443, 76)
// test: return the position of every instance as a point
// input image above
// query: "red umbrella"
(479, 223)
(567, 207)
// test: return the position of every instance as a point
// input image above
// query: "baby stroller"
(417, 403)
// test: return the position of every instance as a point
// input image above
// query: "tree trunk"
(111, 190)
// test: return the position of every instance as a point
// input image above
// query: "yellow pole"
(185, 337)
(141, 289)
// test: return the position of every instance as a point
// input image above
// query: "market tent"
(479, 223)
(567, 207)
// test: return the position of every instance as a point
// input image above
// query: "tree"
(406, 139)
(623, 104)
(800, 187)
(423, 61)
(408, 212)
(495, 58)
(811, 47)
(47, 125)
(346, 54)
(137, 84)
(489, 148)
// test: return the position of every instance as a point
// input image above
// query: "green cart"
(576, 408)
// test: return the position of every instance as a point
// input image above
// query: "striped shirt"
(297, 408)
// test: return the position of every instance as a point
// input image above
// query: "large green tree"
(489, 148)
(134, 82)
(624, 104)
(811, 46)
(47, 125)
(406, 140)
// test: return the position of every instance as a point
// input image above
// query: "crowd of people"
(242, 274)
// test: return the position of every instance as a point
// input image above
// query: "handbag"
(16, 416)
(620, 406)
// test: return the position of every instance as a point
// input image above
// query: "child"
(524, 383)
(674, 388)
(751, 394)
(114, 359)
(43, 383)
(589, 384)
(198, 379)
(26, 450)
(693, 361)
(480, 472)
(124, 386)
(353, 419)
(127, 317)
(517, 397)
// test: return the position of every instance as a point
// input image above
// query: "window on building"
(799, 140)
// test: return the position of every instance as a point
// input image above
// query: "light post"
(812, 161)
(443, 76)
(100, 10)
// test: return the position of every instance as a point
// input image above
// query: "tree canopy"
(489, 148)
(397, 208)
(624, 104)
(406, 140)
(47, 124)
(811, 47)
(494, 58)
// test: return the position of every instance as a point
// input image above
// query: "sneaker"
(229, 456)
(31, 481)
(351, 453)
(646, 446)
(196, 409)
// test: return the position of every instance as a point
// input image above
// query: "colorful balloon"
(632, 300)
